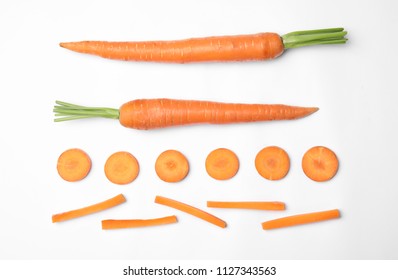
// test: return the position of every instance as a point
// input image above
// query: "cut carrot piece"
(222, 164)
(320, 164)
(119, 224)
(258, 205)
(171, 166)
(121, 168)
(119, 199)
(272, 163)
(190, 210)
(302, 219)
(73, 165)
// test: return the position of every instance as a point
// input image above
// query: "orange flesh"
(121, 168)
(272, 163)
(171, 166)
(258, 205)
(222, 164)
(73, 165)
(320, 164)
(119, 224)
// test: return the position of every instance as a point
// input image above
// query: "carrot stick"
(320, 164)
(302, 219)
(272, 163)
(222, 164)
(73, 165)
(119, 224)
(190, 210)
(257, 205)
(172, 166)
(160, 113)
(119, 199)
(121, 168)
(260, 46)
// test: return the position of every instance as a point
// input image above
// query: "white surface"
(354, 85)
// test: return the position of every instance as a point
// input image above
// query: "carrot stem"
(67, 111)
(119, 199)
(119, 224)
(314, 37)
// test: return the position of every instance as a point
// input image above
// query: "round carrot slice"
(222, 164)
(121, 168)
(73, 165)
(320, 164)
(272, 163)
(171, 166)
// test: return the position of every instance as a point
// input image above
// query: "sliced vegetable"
(320, 164)
(73, 165)
(120, 224)
(121, 168)
(272, 163)
(172, 166)
(257, 205)
(222, 164)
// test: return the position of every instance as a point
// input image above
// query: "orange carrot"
(258, 205)
(320, 164)
(260, 46)
(222, 164)
(73, 165)
(121, 168)
(119, 224)
(301, 219)
(119, 199)
(160, 113)
(171, 166)
(272, 163)
(190, 210)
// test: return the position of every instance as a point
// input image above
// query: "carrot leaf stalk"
(314, 37)
(67, 111)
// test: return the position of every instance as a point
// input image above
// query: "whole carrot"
(261, 46)
(160, 113)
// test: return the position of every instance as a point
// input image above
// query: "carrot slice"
(320, 164)
(119, 224)
(222, 164)
(190, 210)
(272, 163)
(171, 166)
(73, 165)
(258, 205)
(121, 168)
(302, 219)
(119, 199)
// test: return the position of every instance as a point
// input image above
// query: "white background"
(354, 85)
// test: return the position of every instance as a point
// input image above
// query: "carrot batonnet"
(255, 205)
(161, 113)
(171, 166)
(320, 164)
(222, 164)
(301, 219)
(261, 46)
(120, 224)
(104, 205)
(73, 165)
(191, 210)
(272, 163)
(121, 168)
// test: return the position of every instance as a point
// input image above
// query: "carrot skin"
(301, 219)
(159, 113)
(191, 210)
(257, 205)
(260, 46)
(89, 209)
(120, 224)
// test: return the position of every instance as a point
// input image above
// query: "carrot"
(160, 113)
(258, 205)
(301, 219)
(121, 168)
(171, 166)
(119, 199)
(118, 224)
(261, 46)
(272, 163)
(73, 165)
(222, 164)
(190, 210)
(320, 164)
